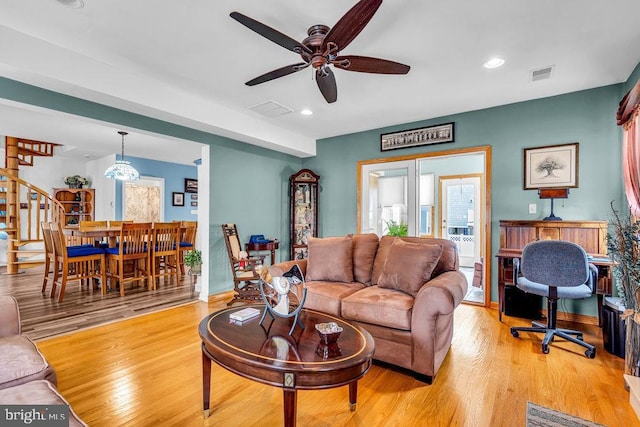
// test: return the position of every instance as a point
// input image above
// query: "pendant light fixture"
(121, 169)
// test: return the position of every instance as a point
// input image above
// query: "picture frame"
(194, 196)
(178, 199)
(194, 203)
(437, 134)
(551, 166)
(190, 185)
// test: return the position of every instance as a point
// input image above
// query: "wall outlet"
(532, 208)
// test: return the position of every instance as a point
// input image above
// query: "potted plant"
(623, 243)
(76, 181)
(193, 259)
(395, 229)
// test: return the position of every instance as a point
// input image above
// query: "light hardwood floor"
(146, 371)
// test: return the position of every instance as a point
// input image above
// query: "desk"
(257, 247)
(96, 233)
(505, 277)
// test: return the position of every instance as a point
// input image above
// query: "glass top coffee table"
(268, 354)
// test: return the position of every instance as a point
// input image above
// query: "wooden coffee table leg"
(353, 395)
(290, 406)
(206, 383)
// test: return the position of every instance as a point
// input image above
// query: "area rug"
(539, 416)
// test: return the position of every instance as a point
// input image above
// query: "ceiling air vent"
(270, 109)
(541, 73)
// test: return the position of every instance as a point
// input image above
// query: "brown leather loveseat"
(402, 290)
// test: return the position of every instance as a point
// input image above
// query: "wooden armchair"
(246, 272)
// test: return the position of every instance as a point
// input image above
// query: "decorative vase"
(196, 268)
(632, 348)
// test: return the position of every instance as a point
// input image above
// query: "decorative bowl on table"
(328, 332)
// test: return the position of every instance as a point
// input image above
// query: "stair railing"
(23, 206)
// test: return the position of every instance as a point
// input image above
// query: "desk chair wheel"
(591, 354)
(515, 333)
(545, 348)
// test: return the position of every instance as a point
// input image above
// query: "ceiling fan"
(322, 48)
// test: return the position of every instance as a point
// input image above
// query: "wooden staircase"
(24, 206)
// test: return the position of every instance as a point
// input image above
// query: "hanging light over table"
(122, 169)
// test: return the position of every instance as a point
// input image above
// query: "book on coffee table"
(244, 314)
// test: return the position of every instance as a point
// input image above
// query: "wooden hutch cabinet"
(78, 204)
(591, 235)
(304, 210)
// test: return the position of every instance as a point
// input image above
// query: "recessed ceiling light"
(493, 63)
(76, 4)
(306, 112)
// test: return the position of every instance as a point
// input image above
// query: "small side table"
(258, 247)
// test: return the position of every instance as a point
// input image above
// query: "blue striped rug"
(539, 416)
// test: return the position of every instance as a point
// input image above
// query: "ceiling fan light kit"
(322, 48)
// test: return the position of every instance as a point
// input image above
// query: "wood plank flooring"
(146, 371)
(83, 307)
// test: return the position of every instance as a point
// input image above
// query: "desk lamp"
(553, 193)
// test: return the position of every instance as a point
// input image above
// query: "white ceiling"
(186, 62)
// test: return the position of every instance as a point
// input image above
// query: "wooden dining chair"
(49, 255)
(82, 263)
(188, 233)
(165, 251)
(133, 248)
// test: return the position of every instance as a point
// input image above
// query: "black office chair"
(555, 269)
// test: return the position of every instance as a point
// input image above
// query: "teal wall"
(248, 184)
(587, 117)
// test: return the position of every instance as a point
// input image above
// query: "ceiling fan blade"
(365, 64)
(351, 24)
(280, 72)
(271, 34)
(327, 84)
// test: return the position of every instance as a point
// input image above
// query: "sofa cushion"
(327, 296)
(448, 260)
(365, 247)
(21, 362)
(409, 266)
(330, 259)
(379, 306)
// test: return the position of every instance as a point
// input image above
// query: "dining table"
(110, 233)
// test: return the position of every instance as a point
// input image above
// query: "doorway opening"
(403, 191)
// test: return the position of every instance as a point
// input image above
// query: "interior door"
(460, 219)
(387, 196)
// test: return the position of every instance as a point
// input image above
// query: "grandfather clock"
(304, 210)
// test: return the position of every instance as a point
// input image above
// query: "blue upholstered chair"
(555, 269)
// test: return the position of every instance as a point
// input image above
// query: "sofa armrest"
(280, 268)
(441, 295)
(9, 316)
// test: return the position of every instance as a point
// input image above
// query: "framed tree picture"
(551, 166)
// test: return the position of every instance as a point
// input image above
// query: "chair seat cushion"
(186, 244)
(38, 392)
(86, 245)
(572, 292)
(84, 251)
(21, 362)
(379, 306)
